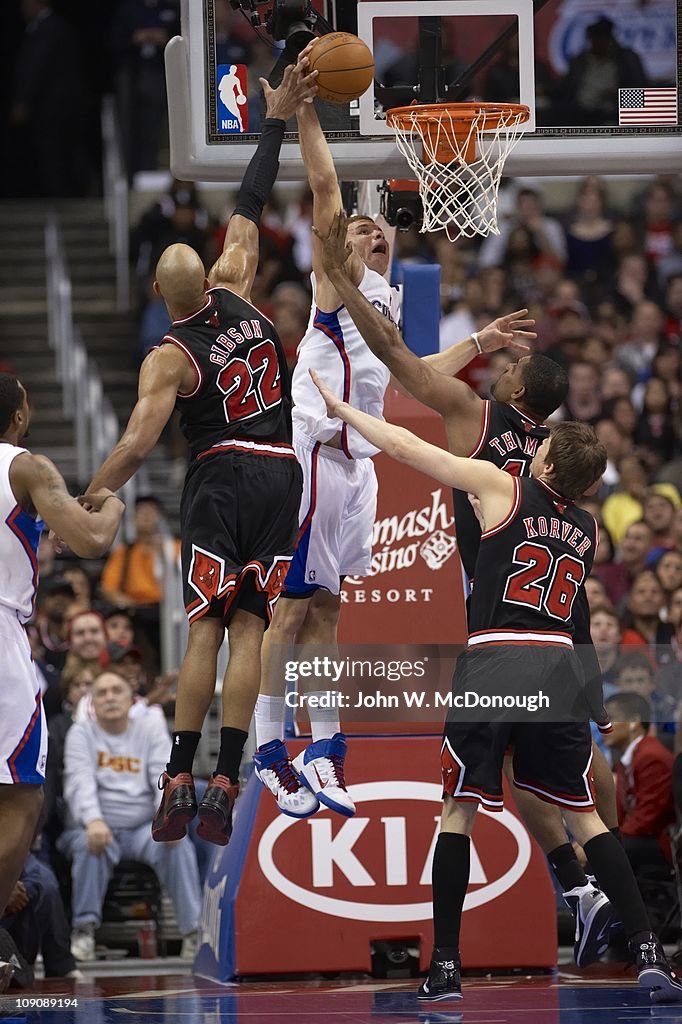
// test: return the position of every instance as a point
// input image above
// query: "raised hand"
(335, 250)
(298, 84)
(508, 331)
(332, 401)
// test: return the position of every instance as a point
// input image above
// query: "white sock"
(269, 716)
(324, 722)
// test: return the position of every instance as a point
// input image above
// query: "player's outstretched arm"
(486, 481)
(237, 265)
(89, 534)
(510, 331)
(161, 377)
(446, 395)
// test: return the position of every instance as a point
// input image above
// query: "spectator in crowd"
(642, 621)
(583, 401)
(596, 592)
(635, 674)
(75, 683)
(49, 632)
(655, 427)
(47, 550)
(544, 234)
(643, 782)
(674, 610)
(36, 920)
(81, 584)
(615, 383)
(111, 767)
(119, 627)
(657, 226)
(605, 632)
(589, 236)
(660, 505)
(668, 678)
(625, 506)
(645, 337)
(616, 446)
(139, 32)
(47, 113)
(87, 636)
(624, 415)
(632, 285)
(672, 325)
(614, 575)
(669, 573)
(590, 90)
(133, 576)
(634, 548)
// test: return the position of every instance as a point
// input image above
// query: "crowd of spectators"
(603, 282)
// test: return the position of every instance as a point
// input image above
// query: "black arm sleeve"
(261, 173)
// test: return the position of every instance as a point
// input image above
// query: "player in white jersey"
(338, 506)
(339, 488)
(32, 494)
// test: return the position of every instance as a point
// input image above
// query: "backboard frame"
(549, 152)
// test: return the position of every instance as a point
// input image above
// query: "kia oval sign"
(340, 853)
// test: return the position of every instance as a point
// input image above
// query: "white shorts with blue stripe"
(23, 730)
(336, 519)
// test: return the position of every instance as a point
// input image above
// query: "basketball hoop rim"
(495, 114)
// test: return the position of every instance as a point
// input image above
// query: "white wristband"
(474, 335)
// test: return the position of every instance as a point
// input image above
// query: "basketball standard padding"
(345, 65)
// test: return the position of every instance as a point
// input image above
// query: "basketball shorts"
(336, 519)
(23, 729)
(238, 527)
(552, 759)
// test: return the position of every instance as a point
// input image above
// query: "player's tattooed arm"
(89, 534)
(164, 373)
(511, 331)
(494, 488)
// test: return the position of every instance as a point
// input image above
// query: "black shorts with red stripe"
(238, 525)
(552, 746)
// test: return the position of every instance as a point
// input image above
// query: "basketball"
(345, 65)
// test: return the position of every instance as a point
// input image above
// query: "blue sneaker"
(320, 767)
(275, 771)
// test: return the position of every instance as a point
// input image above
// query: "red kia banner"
(332, 886)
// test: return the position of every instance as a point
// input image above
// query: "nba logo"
(231, 101)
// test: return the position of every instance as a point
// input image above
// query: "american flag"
(647, 106)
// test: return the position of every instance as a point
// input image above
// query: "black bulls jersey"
(243, 390)
(509, 439)
(531, 567)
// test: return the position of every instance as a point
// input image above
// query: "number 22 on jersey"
(251, 384)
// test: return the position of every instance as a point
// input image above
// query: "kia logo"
(328, 852)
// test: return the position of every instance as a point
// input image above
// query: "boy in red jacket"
(643, 781)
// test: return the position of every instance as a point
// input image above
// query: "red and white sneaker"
(276, 772)
(320, 767)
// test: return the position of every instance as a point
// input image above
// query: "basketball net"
(459, 175)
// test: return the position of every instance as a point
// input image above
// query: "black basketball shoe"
(177, 808)
(654, 972)
(443, 981)
(215, 810)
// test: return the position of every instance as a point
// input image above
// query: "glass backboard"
(602, 80)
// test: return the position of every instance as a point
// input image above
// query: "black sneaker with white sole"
(443, 981)
(22, 972)
(593, 918)
(654, 972)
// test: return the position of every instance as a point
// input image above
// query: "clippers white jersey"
(23, 731)
(19, 536)
(335, 349)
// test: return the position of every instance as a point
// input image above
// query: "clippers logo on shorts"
(232, 109)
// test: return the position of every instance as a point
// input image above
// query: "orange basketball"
(345, 65)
